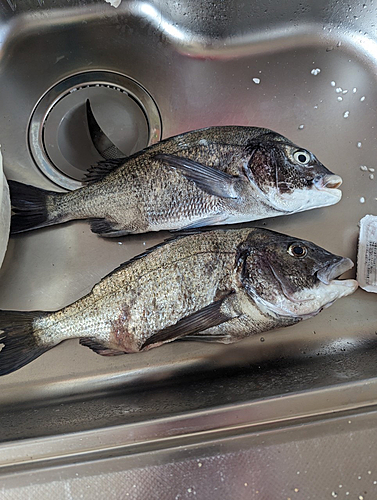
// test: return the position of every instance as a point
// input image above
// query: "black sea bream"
(217, 286)
(218, 175)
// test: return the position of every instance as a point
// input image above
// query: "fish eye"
(297, 250)
(302, 157)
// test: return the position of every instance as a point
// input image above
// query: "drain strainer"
(59, 138)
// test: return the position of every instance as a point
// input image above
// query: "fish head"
(291, 277)
(290, 178)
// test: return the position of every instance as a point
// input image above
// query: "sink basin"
(302, 68)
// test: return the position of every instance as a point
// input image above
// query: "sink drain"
(59, 138)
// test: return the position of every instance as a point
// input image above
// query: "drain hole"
(68, 144)
(59, 137)
(66, 136)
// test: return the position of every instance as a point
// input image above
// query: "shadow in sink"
(307, 71)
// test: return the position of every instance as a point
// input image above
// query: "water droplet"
(344, 91)
(338, 90)
(340, 98)
(256, 81)
(334, 494)
(371, 169)
(371, 176)
(362, 200)
(316, 106)
(332, 83)
(315, 71)
(359, 145)
(354, 90)
(262, 339)
(301, 127)
(346, 114)
(364, 168)
(362, 98)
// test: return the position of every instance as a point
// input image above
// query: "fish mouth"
(329, 183)
(330, 273)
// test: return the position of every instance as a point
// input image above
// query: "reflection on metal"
(156, 18)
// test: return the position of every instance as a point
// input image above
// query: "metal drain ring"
(93, 79)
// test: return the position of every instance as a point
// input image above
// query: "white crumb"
(114, 3)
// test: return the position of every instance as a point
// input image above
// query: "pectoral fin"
(207, 317)
(209, 179)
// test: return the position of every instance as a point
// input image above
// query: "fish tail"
(18, 343)
(30, 207)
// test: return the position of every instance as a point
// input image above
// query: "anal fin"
(106, 229)
(220, 338)
(99, 348)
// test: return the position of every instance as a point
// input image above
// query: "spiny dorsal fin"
(101, 169)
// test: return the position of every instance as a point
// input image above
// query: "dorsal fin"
(101, 169)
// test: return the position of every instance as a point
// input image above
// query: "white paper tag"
(367, 254)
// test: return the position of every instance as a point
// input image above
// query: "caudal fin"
(18, 344)
(29, 206)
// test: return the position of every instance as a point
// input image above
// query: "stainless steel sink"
(306, 69)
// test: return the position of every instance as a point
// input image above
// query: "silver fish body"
(217, 286)
(218, 175)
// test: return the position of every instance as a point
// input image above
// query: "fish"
(219, 285)
(212, 176)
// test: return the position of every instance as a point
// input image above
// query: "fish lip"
(331, 272)
(329, 183)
